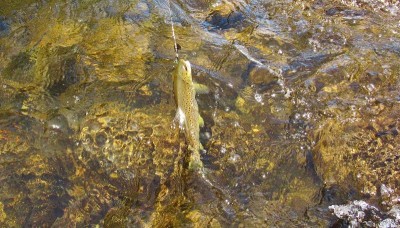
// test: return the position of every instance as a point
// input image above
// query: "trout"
(187, 112)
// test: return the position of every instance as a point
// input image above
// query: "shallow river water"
(301, 119)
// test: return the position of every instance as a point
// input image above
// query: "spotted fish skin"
(187, 109)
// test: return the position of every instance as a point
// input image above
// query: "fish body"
(187, 109)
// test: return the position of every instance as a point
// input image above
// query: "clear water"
(302, 112)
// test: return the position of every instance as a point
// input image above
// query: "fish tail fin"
(195, 162)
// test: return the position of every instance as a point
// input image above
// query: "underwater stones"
(3, 215)
(56, 68)
(111, 11)
(360, 213)
(342, 11)
(307, 64)
(221, 21)
(140, 13)
(359, 153)
(240, 104)
(70, 76)
(334, 11)
(329, 150)
(331, 38)
(116, 141)
(281, 108)
(225, 16)
(389, 6)
(202, 220)
(58, 123)
(230, 63)
(65, 34)
(337, 70)
(116, 51)
(249, 100)
(302, 28)
(395, 211)
(256, 168)
(4, 27)
(39, 105)
(117, 217)
(314, 85)
(33, 182)
(355, 213)
(19, 69)
(261, 75)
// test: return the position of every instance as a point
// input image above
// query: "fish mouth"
(188, 67)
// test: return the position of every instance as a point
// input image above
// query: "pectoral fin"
(201, 121)
(201, 89)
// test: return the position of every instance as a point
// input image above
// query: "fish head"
(185, 70)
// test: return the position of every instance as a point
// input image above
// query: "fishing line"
(173, 32)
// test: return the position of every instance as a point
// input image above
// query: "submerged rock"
(4, 27)
(360, 213)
